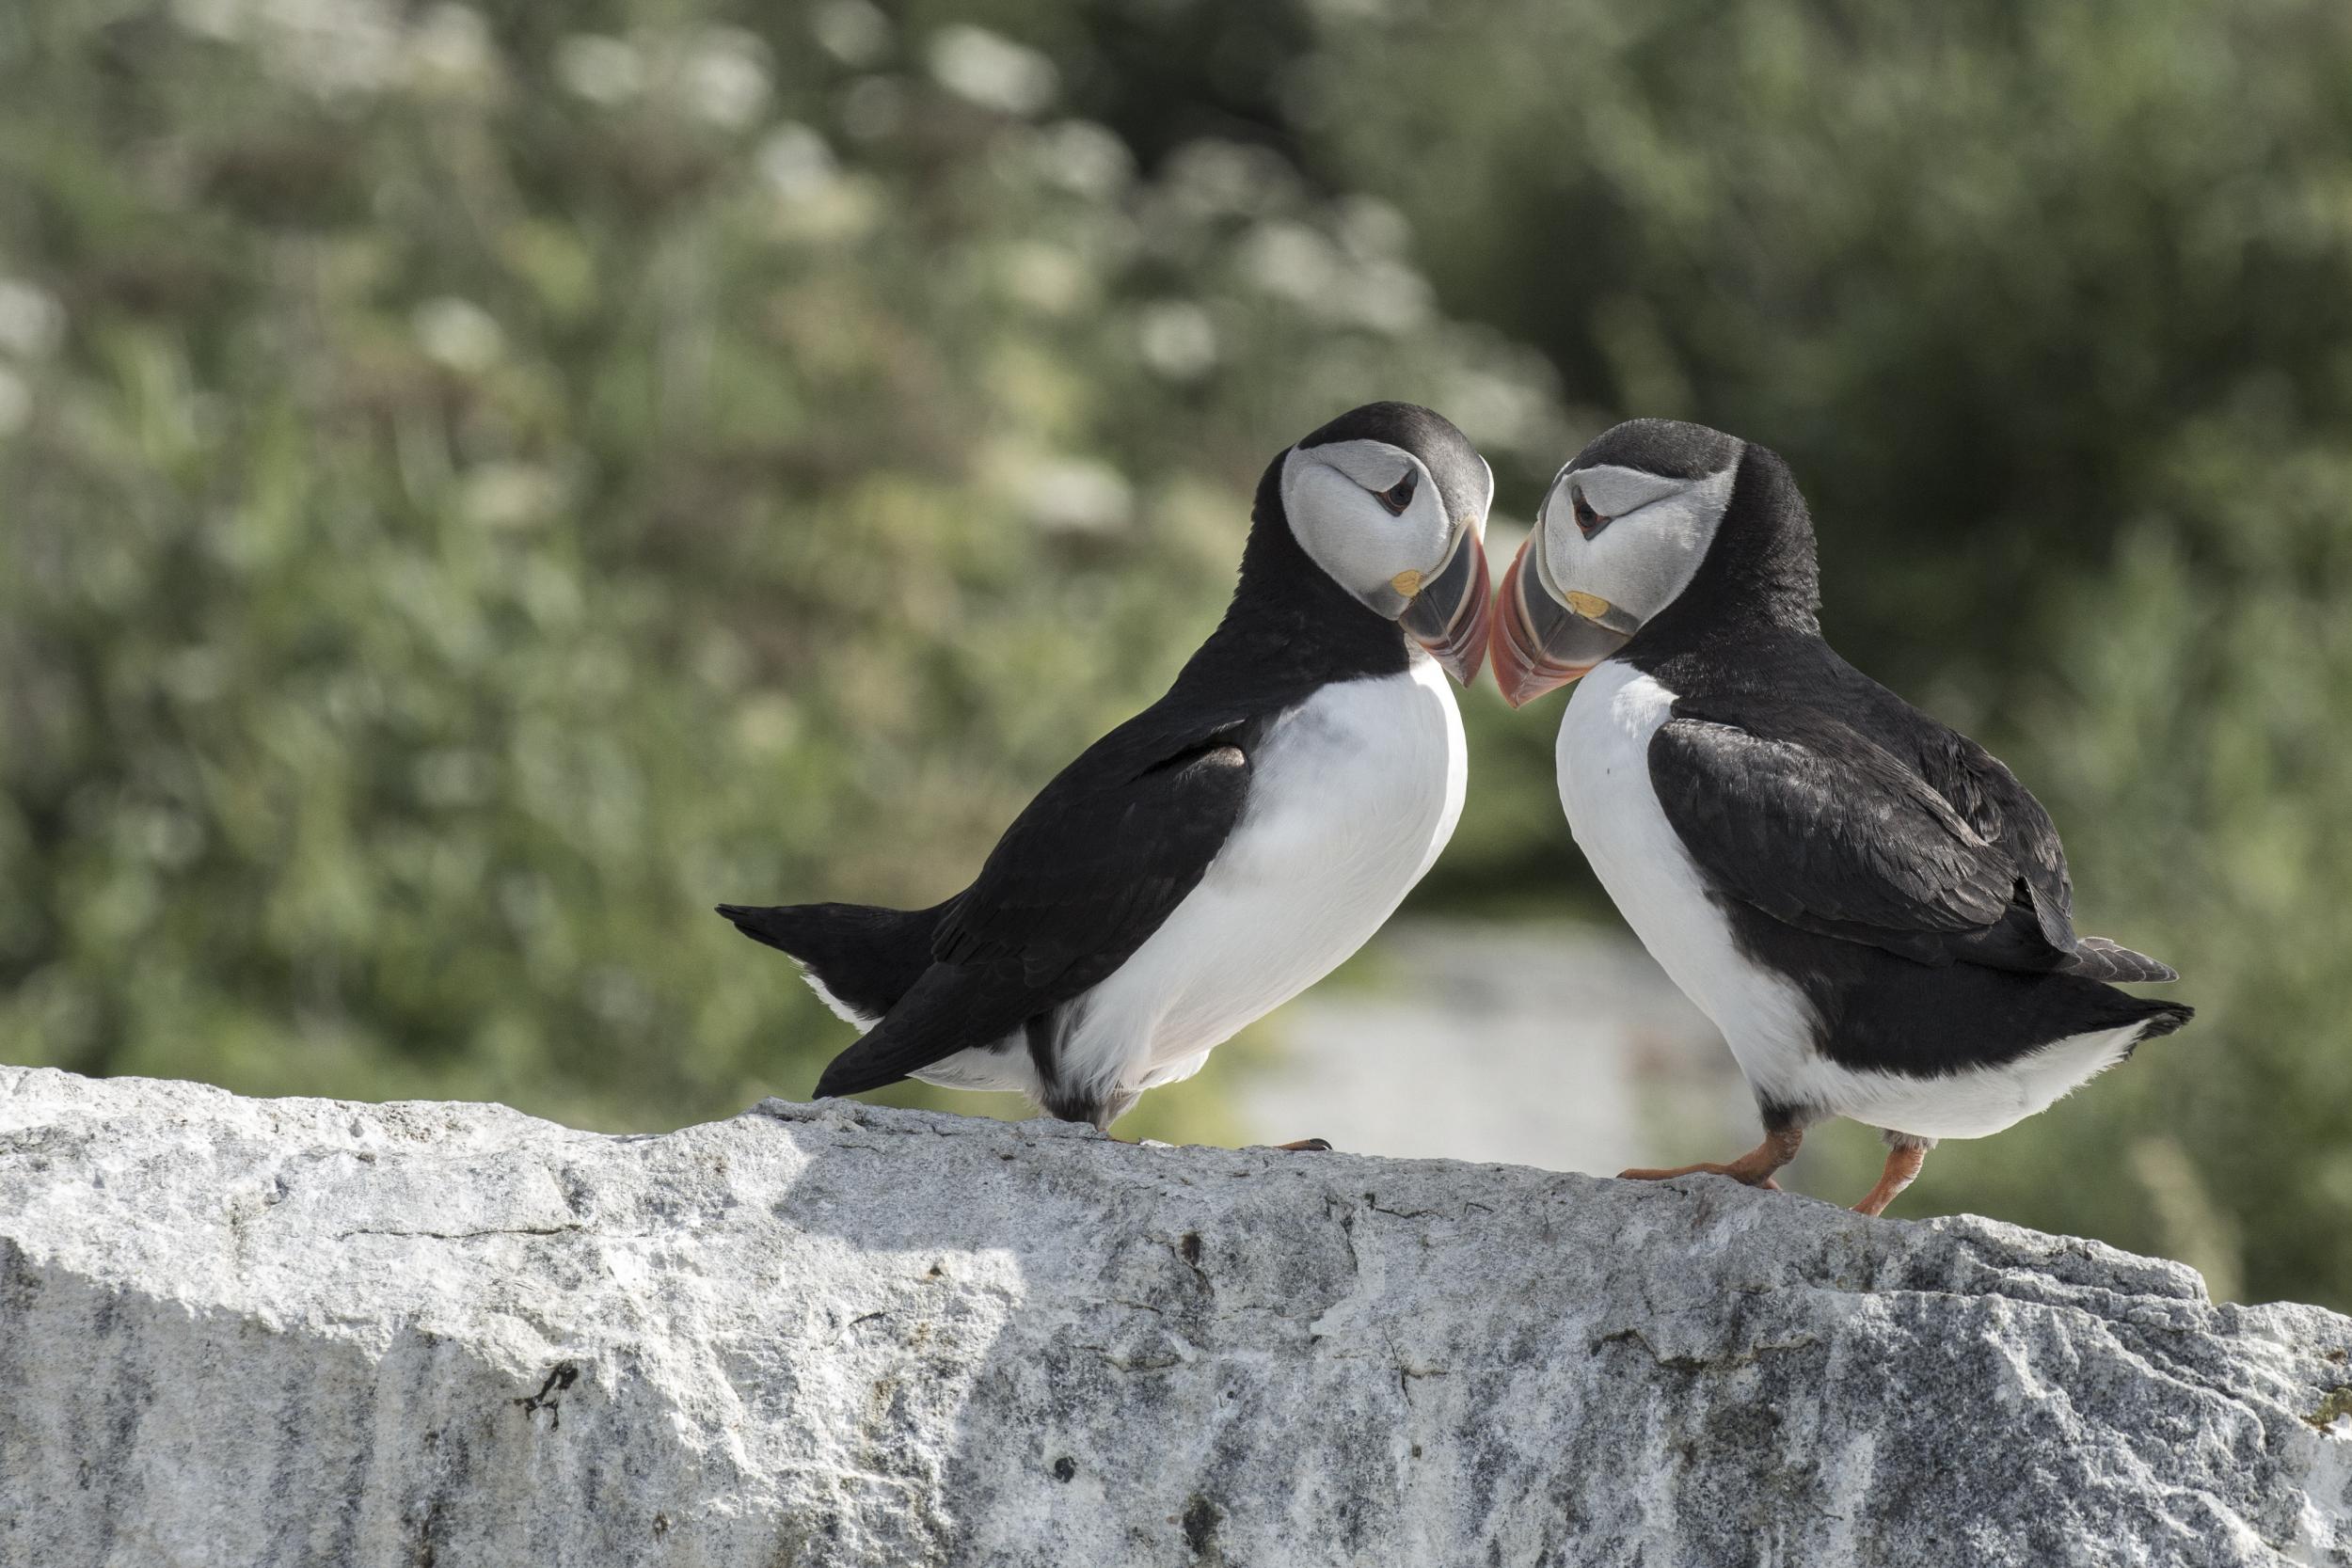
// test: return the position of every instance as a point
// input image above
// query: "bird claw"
(1306, 1146)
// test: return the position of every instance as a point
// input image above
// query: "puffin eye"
(1587, 521)
(1397, 497)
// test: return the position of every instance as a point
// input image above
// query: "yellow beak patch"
(1591, 605)
(1406, 582)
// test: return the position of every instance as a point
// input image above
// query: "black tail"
(947, 1011)
(2165, 1017)
(859, 959)
(2097, 958)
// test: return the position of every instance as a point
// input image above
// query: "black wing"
(2003, 812)
(1987, 796)
(1940, 856)
(1080, 880)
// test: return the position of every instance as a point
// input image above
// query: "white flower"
(326, 47)
(852, 31)
(1211, 177)
(1497, 408)
(604, 70)
(1291, 260)
(1373, 229)
(993, 72)
(31, 323)
(795, 163)
(1387, 297)
(841, 212)
(214, 18)
(459, 334)
(329, 47)
(511, 494)
(1176, 340)
(724, 78)
(1044, 277)
(1077, 496)
(451, 49)
(1081, 156)
(766, 722)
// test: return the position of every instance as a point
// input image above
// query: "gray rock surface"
(259, 1333)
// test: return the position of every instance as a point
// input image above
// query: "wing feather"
(1823, 828)
(1095, 864)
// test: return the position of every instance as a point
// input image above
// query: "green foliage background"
(479, 485)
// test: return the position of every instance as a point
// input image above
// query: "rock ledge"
(280, 1332)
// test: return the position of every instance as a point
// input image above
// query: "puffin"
(1871, 909)
(1228, 847)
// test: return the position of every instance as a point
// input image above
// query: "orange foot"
(1903, 1161)
(1754, 1167)
(1736, 1169)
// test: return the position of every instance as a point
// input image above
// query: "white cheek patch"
(1647, 554)
(1329, 496)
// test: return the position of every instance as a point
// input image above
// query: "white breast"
(1974, 1102)
(1769, 1026)
(1614, 813)
(1352, 795)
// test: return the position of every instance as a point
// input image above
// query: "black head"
(1659, 532)
(1388, 505)
(1667, 448)
(1466, 485)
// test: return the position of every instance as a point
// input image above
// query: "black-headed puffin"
(1868, 904)
(1226, 847)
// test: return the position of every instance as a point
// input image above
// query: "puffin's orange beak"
(1449, 612)
(1540, 644)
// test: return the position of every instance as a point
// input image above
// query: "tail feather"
(932, 1023)
(859, 959)
(847, 1076)
(2099, 958)
(951, 1008)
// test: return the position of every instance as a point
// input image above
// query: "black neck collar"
(1289, 623)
